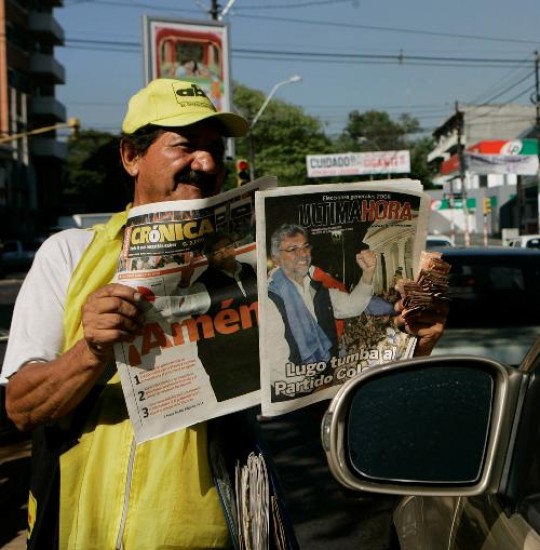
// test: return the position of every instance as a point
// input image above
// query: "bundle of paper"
(429, 286)
(253, 503)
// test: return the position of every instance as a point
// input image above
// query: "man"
(230, 285)
(303, 310)
(59, 365)
(67, 319)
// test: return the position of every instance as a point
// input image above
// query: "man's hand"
(110, 315)
(427, 325)
(367, 260)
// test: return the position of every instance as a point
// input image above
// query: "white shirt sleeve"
(275, 345)
(352, 304)
(36, 332)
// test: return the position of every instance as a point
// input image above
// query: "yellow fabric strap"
(159, 494)
(95, 269)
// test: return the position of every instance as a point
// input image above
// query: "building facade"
(483, 153)
(31, 165)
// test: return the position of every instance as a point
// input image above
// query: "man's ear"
(275, 261)
(129, 158)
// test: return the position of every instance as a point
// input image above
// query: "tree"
(376, 131)
(420, 168)
(281, 139)
(94, 180)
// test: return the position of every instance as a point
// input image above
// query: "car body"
(457, 437)
(495, 299)
(18, 254)
(525, 241)
(437, 241)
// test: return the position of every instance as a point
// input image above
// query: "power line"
(389, 29)
(291, 5)
(242, 8)
(399, 58)
(507, 80)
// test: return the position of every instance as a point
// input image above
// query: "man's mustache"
(196, 178)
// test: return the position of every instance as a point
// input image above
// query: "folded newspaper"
(264, 295)
(330, 258)
(194, 263)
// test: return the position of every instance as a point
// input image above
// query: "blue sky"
(470, 51)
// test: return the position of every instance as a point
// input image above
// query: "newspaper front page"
(329, 260)
(194, 263)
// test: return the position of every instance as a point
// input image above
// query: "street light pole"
(251, 148)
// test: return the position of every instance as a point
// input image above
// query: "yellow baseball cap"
(175, 103)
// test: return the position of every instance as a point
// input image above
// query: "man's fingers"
(111, 315)
(116, 290)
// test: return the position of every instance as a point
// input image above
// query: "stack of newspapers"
(259, 520)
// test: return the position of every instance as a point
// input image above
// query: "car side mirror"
(424, 426)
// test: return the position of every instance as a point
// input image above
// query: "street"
(14, 447)
(324, 515)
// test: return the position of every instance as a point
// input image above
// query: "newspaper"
(321, 319)
(198, 355)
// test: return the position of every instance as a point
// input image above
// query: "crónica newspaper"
(194, 264)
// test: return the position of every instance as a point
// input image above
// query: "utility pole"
(537, 89)
(214, 10)
(462, 174)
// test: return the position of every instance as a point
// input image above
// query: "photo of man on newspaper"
(306, 307)
(229, 285)
(224, 287)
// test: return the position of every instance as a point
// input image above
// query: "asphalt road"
(324, 515)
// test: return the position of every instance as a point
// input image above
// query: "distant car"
(18, 255)
(457, 437)
(525, 241)
(436, 241)
(495, 300)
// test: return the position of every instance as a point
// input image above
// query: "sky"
(417, 57)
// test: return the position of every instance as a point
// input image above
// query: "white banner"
(353, 164)
(526, 165)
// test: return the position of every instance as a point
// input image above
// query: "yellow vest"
(159, 494)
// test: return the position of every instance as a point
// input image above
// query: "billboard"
(189, 50)
(524, 165)
(353, 164)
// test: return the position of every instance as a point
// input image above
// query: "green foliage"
(376, 131)
(420, 169)
(94, 180)
(281, 138)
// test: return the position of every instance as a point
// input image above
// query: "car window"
(523, 486)
(32, 245)
(494, 291)
(435, 242)
(9, 246)
(533, 243)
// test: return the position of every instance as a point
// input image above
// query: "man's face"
(223, 256)
(294, 257)
(182, 163)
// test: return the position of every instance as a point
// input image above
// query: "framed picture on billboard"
(189, 50)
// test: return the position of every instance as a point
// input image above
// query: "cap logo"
(193, 91)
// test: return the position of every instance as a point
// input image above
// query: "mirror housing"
(425, 426)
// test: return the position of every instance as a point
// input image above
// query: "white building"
(482, 153)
